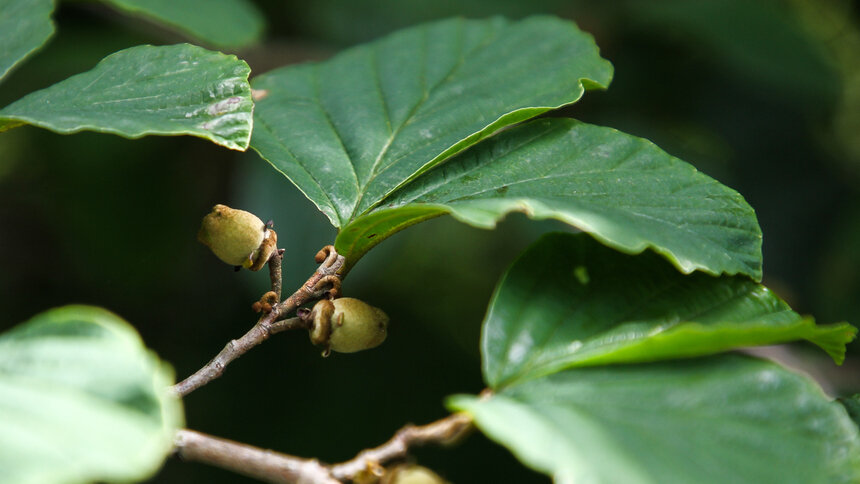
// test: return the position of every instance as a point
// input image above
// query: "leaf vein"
(335, 131)
(427, 93)
(262, 124)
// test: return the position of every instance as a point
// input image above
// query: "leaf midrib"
(532, 365)
(477, 166)
(533, 361)
(427, 94)
(337, 134)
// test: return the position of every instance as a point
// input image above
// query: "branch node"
(323, 283)
(319, 289)
(446, 431)
(330, 261)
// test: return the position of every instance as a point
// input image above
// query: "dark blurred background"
(762, 95)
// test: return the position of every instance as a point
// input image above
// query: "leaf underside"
(621, 189)
(709, 420)
(25, 25)
(82, 400)
(569, 301)
(169, 90)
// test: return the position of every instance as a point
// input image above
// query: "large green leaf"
(170, 90)
(715, 420)
(24, 26)
(623, 190)
(569, 301)
(222, 23)
(351, 130)
(82, 400)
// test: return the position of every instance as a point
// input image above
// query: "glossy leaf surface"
(82, 400)
(221, 23)
(569, 301)
(170, 90)
(623, 190)
(24, 26)
(711, 420)
(351, 130)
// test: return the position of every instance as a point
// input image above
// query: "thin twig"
(275, 271)
(234, 349)
(275, 467)
(265, 465)
(318, 285)
(445, 431)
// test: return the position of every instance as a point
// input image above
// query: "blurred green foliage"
(760, 95)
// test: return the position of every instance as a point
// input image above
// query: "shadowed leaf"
(569, 301)
(714, 420)
(25, 25)
(82, 400)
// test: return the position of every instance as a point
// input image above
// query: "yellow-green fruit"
(237, 237)
(412, 474)
(347, 325)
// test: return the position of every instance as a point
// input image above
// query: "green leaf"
(852, 406)
(623, 190)
(25, 25)
(82, 400)
(170, 90)
(351, 130)
(715, 420)
(224, 23)
(569, 301)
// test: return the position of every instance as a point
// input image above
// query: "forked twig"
(324, 282)
(275, 467)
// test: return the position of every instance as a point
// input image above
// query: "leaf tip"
(833, 338)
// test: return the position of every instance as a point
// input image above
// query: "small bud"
(265, 303)
(347, 325)
(238, 237)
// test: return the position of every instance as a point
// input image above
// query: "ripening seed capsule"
(347, 325)
(237, 237)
